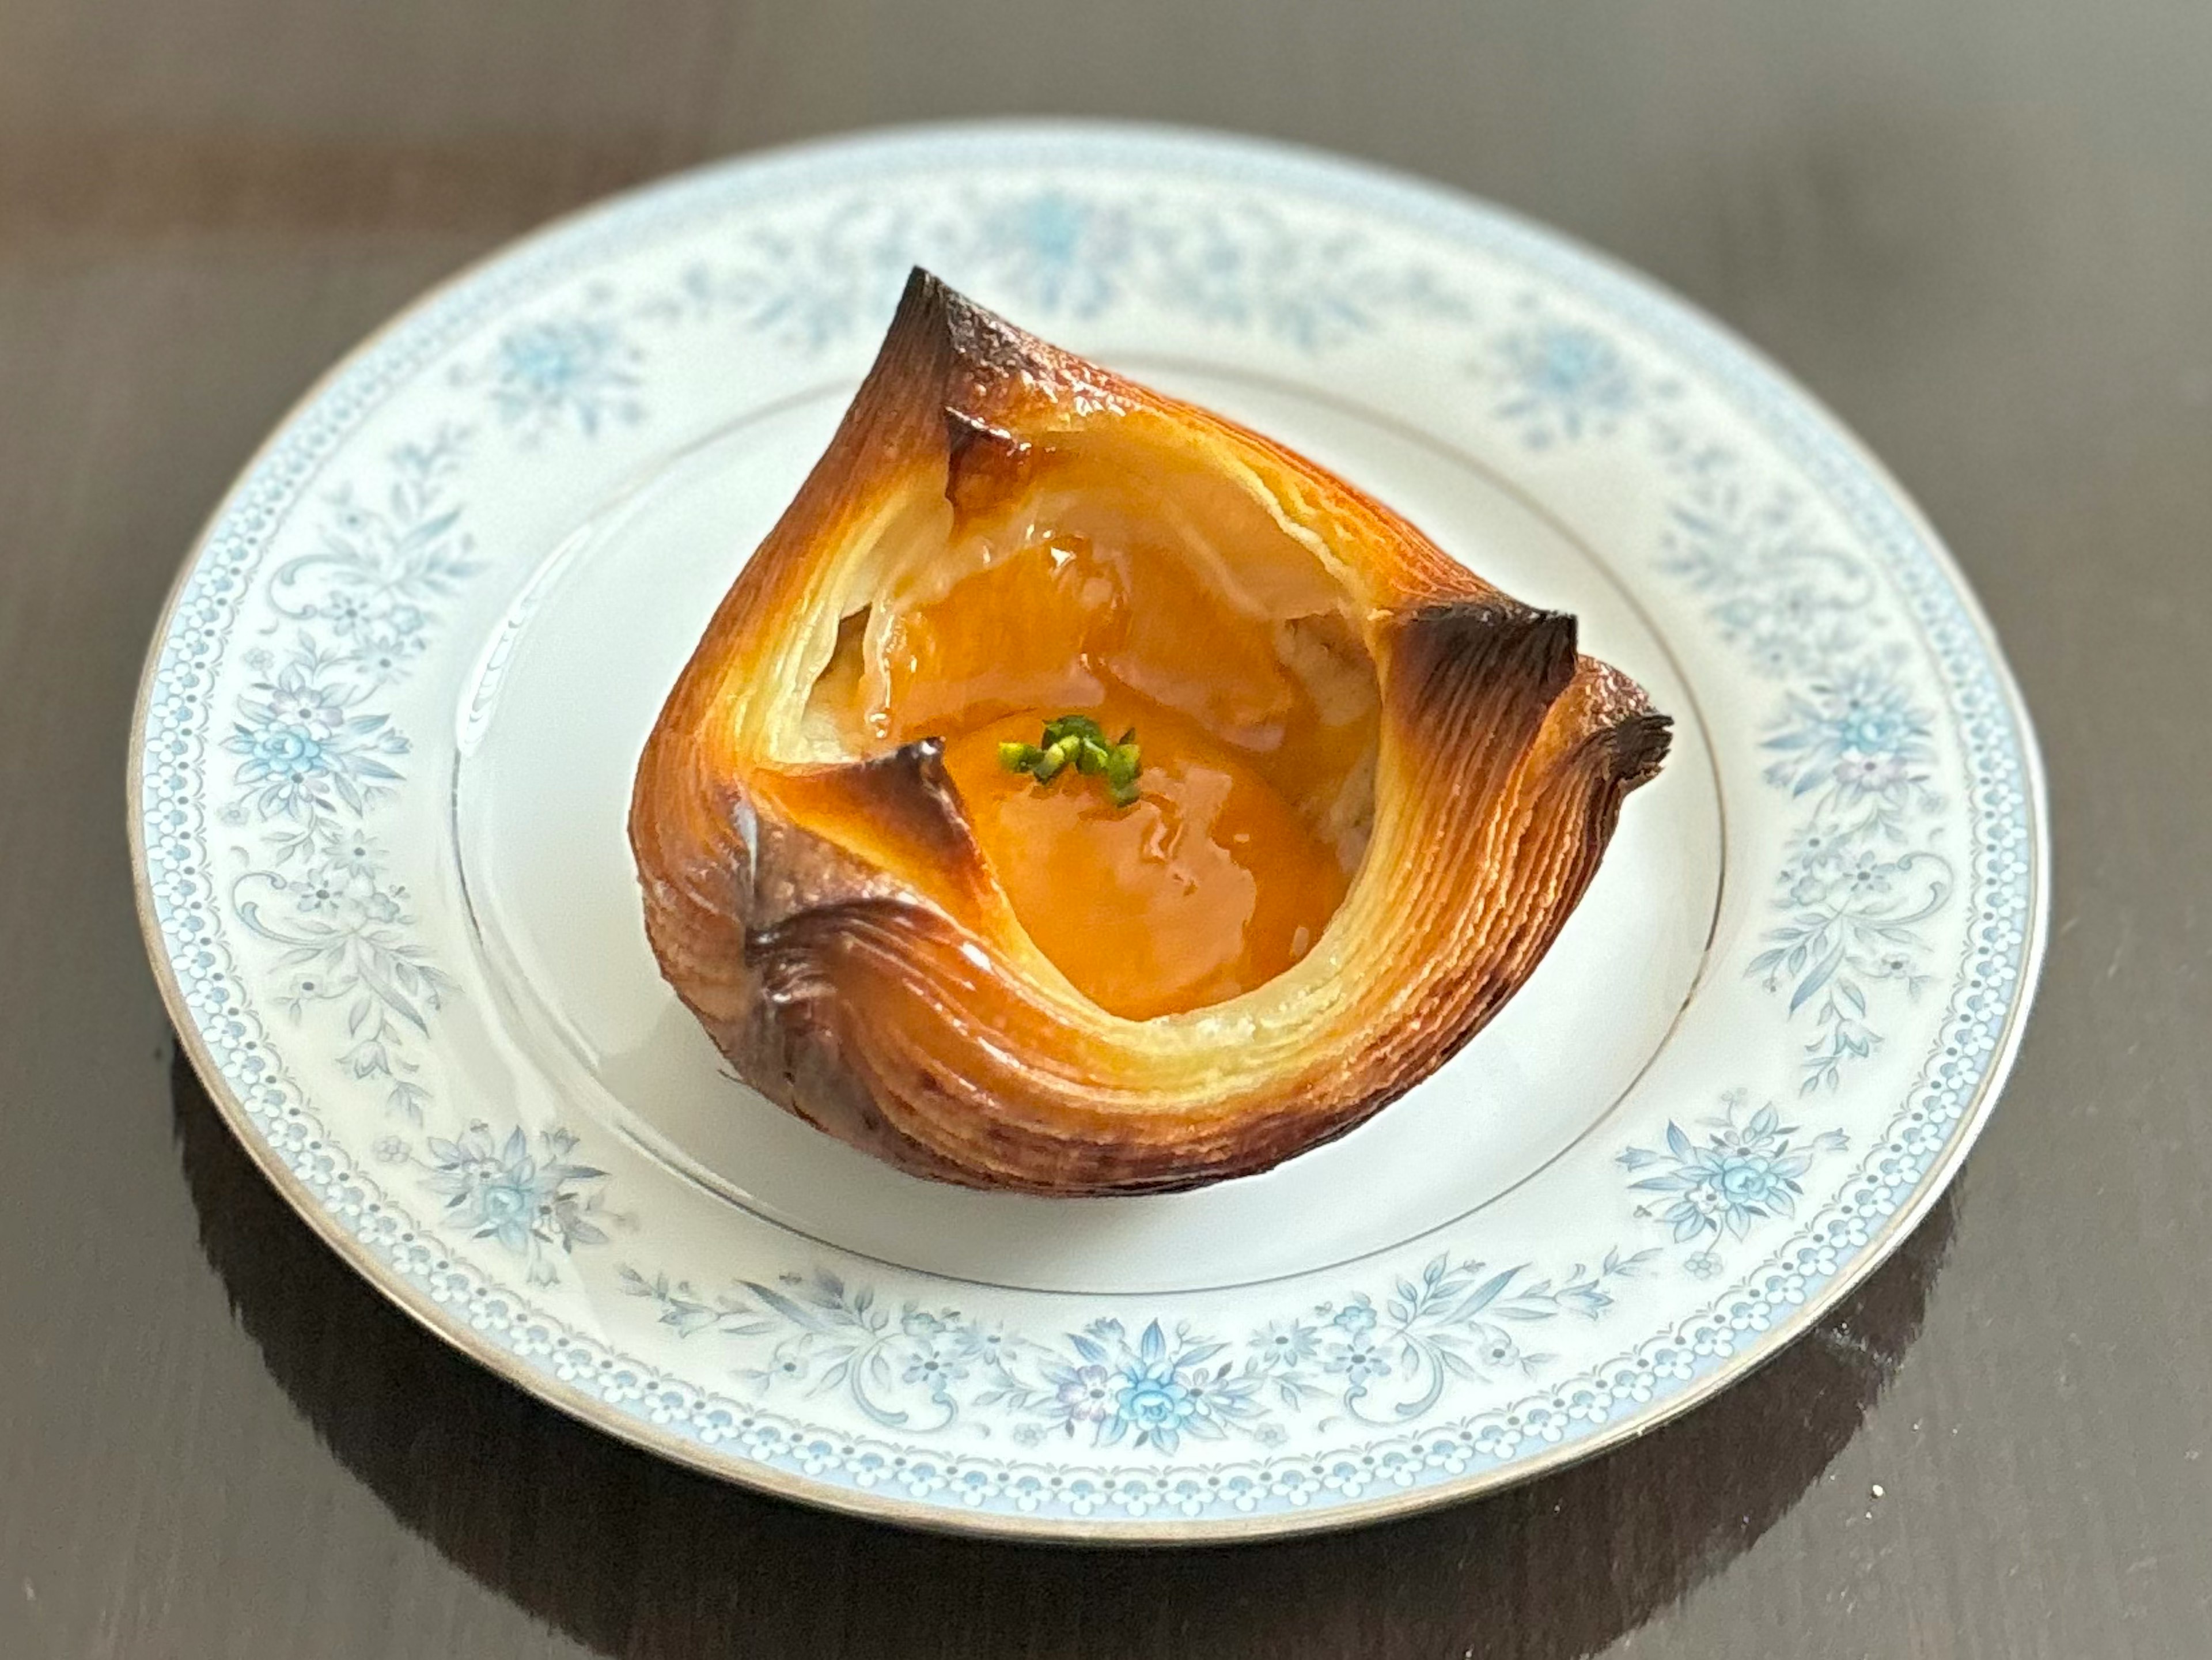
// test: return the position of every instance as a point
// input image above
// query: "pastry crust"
(827, 914)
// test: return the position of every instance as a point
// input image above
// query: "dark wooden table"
(1981, 230)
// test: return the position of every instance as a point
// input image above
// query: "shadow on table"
(637, 1558)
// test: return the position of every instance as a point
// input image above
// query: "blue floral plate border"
(1904, 902)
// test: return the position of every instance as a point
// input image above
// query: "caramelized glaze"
(1212, 882)
(1206, 886)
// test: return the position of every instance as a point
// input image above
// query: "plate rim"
(1105, 1530)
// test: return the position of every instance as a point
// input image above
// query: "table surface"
(1980, 229)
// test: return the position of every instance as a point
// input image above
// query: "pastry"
(1077, 793)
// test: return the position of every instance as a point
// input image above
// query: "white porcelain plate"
(384, 756)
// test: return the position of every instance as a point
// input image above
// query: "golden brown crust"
(833, 925)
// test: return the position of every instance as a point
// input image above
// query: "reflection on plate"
(384, 758)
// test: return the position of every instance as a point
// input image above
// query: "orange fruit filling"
(1225, 869)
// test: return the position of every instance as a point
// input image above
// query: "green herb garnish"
(1077, 741)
